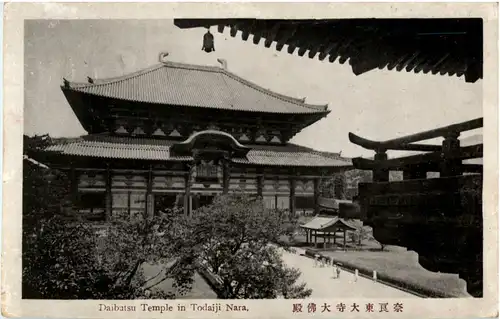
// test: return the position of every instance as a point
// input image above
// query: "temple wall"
(92, 182)
(169, 184)
(129, 190)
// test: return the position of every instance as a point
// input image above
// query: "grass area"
(402, 269)
(200, 289)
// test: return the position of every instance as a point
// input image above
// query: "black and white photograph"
(318, 160)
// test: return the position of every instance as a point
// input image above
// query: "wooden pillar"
(316, 195)
(315, 238)
(335, 236)
(451, 166)
(73, 187)
(109, 195)
(307, 236)
(380, 174)
(344, 238)
(276, 201)
(149, 194)
(129, 211)
(260, 185)
(225, 176)
(292, 196)
(187, 192)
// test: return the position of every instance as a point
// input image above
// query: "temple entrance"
(163, 202)
(202, 200)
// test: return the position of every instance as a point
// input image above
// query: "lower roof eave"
(55, 157)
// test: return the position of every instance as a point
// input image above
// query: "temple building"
(177, 135)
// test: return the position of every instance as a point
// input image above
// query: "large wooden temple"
(177, 135)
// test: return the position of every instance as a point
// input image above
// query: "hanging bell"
(208, 42)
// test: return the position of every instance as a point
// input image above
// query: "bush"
(236, 233)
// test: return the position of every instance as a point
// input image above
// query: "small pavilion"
(326, 227)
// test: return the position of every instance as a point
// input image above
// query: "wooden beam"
(234, 30)
(257, 36)
(426, 135)
(467, 152)
(287, 35)
(402, 65)
(472, 168)
(414, 174)
(373, 145)
(326, 51)
(271, 36)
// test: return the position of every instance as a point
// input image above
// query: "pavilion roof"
(323, 223)
(114, 147)
(171, 83)
(439, 46)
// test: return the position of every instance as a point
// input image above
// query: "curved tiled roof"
(181, 84)
(324, 223)
(151, 149)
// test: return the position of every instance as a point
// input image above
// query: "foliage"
(77, 260)
(362, 233)
(236, 233)
(44, 190)
(66, 257)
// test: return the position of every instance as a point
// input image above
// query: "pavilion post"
(108, 197)
(307, 236)
(149, 194)
(292, 196)
(380, 174)
(315, 238)
(316, 195)
(335, 237)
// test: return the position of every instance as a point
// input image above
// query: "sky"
(378, 105)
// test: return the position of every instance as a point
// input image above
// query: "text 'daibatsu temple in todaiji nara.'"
(177, 135)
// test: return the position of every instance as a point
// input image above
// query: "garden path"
(321, 280)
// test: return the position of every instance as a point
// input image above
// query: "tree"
(236, 233)
(74, 260)
(66, 257)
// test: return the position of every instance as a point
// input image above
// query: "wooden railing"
(440, 218)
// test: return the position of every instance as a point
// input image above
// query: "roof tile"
(172, 83)
(150, 149)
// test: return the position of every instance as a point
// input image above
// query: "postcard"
(241, 160)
